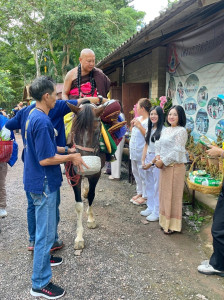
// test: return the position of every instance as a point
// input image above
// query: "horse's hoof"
(79, 245)
(91, 225)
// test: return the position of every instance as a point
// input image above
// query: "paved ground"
(122, 259)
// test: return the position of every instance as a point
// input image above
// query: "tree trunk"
(65, 61)
(52, 52)
(37, 63)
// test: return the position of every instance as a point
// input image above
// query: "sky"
(151, 7)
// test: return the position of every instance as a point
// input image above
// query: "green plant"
(220, 139)
(196, 217)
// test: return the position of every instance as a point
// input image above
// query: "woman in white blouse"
(171, 156)
(136, 144)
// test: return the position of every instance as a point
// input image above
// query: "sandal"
(134, 198)
(168, 232)
(140, 201)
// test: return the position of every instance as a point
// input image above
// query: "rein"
(84, 148)
(74, 177)
(69, 169)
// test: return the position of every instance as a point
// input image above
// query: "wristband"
(66, 149)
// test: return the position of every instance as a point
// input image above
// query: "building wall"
(116, 77)
(149, 69)
(159, 62)
(139, 70)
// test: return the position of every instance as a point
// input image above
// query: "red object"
(70, 174)
(111, 112)
(6, 148)
(86, 89)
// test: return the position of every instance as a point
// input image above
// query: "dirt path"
(122, 259)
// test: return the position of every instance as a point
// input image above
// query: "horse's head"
(86, 127)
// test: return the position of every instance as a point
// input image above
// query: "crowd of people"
(157, 154)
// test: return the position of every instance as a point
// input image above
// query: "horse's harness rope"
(83, 148)
(68, 166)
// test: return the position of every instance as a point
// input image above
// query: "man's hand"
(77, 161)
(215, 151)
(71, 150)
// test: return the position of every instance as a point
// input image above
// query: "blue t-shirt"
(56, 115)
(40, 144)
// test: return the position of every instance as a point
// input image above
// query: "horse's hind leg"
(91, 223)
(79, 241)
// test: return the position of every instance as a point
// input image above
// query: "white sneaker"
(146, 212)
(205, 262)
(209, 270)
(152, 218)
(3, 213)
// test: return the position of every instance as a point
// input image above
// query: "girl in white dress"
(155, 127)
(136, 145)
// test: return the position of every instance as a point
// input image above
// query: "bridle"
(87, 149)
(69, 170)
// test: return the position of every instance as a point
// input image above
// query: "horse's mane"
(84, 121)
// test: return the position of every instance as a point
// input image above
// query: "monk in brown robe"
(85, 80)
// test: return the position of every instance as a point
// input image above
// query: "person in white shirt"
(171, 157)
(155, 127)
(116, 165)
(136, 145)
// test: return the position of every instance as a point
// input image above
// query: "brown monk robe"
(85, 80)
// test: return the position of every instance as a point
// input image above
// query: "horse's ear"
(73, 108)
(99, 110)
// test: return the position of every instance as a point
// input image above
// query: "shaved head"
(87, 61)
(86, 51)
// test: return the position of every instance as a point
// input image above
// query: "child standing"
(155, 127)
(136, 145)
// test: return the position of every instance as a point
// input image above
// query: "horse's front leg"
(91, 222)
(79, 241)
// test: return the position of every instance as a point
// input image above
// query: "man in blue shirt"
(42, 180)
(57, 118)
(19, 122)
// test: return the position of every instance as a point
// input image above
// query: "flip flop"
(134, 198)
(141, 202)
(168, 232)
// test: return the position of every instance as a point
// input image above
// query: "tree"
(7, 93)
(46, 36)
(170, 2)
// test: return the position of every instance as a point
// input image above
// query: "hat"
(111, 112)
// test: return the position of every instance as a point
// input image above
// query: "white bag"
(94, 164)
